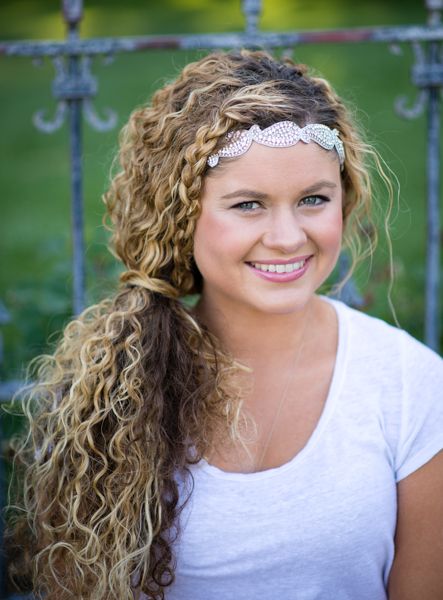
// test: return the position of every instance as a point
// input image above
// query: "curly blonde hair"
(137, 389)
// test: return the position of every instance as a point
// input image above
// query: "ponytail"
(131, 397)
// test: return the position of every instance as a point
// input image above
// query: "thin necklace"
(283, 397)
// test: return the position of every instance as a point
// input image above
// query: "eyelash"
(242, 205)
(316, 197)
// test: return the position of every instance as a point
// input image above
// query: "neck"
(251, 336)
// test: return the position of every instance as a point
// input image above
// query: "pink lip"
(282, 277)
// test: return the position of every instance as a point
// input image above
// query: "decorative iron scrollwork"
(49, 126)
(426, 72)
(74, 81)
(105, 124)
(401, 108)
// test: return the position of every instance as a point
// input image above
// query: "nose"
(284, 232)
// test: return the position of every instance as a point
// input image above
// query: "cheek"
(334, 228)
(330, 234)
(210, 238)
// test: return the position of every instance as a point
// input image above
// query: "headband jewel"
(279, 135)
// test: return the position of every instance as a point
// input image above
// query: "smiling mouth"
(279, 268)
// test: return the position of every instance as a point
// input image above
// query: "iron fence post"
(252, 11)
(73, 12)
(78, 260)
(432, 320)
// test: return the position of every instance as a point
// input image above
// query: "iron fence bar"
(432, 321)
(94, 46)
(78, 261)
(72, 13)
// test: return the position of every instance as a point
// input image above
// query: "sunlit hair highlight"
(137, 388)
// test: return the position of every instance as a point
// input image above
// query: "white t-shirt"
(321, 526)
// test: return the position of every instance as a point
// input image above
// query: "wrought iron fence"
(74, 88)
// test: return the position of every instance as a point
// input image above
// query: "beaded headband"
(279, 135)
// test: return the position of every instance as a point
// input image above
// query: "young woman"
(268, 442)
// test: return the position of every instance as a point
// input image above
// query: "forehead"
(272, 170)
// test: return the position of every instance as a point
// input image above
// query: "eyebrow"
(246, 194)
(254, 195)
(324, 183)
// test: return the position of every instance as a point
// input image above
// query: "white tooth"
(288, 268)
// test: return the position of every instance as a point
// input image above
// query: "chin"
(286, 306)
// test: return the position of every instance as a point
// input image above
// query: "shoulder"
(386, 363)
(400, 380)
(372, 339)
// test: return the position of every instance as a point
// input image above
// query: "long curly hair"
(137, 388)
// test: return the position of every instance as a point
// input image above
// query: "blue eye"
(247, 205)
(314, 200)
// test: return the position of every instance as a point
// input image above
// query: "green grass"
(35, 278)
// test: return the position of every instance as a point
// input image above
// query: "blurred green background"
(35, 276)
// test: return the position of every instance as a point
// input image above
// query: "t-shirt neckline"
(330, 402)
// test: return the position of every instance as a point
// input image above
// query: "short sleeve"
(421, 428)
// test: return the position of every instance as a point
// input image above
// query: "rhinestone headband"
(279, 135)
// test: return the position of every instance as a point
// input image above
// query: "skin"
(282, 218)
(416, 573)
